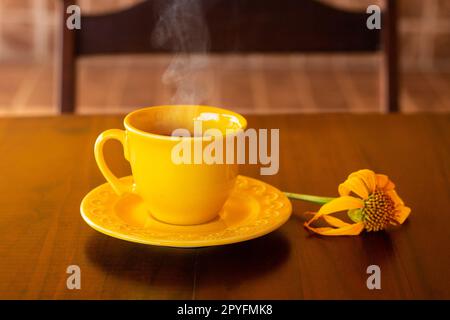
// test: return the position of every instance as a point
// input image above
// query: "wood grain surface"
(47, 166)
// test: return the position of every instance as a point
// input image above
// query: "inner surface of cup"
(162, 121)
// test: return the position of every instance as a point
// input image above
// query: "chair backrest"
(235, 26)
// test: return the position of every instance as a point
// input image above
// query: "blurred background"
(254, 83)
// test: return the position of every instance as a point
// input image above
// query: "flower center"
(378, 211)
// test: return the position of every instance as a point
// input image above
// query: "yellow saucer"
(253, 209)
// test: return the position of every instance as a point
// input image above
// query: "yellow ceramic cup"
(183, 194)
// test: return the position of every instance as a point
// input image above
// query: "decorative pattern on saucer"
(253, 209)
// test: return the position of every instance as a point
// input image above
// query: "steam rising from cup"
(182, 29)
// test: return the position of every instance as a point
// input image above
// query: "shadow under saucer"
(163, 267)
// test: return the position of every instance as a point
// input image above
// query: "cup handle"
(118, 186)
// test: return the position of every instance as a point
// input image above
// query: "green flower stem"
(309, 198)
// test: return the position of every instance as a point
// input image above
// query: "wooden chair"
(237, 26)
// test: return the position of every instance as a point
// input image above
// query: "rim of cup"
(126, 122)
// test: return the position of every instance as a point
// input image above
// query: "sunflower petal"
(336, 205)
(349, 230)
(368, 177)
(341, 204)
(355, 185)
(402, 214)
(394, 196)
(335, 222)
(383, 182)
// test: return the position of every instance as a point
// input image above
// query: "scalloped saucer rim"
(253, 209)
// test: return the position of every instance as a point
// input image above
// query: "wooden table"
(47, 166)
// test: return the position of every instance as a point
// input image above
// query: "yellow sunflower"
(370, 200)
